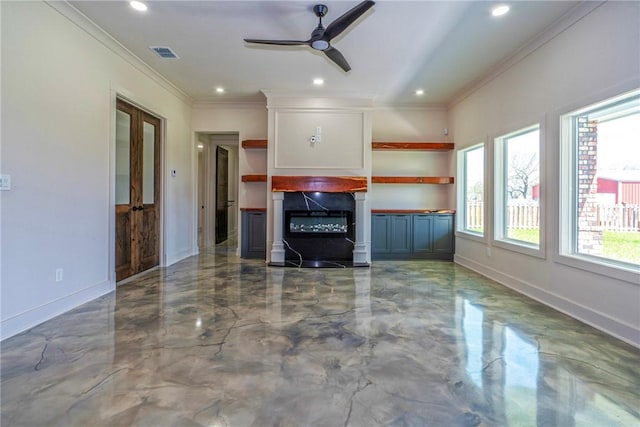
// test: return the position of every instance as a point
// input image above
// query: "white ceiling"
(395, 48)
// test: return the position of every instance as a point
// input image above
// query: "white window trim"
(566, 255)
(461, 194)
(498, 240)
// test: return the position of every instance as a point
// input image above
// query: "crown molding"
(92, 29)
(411, 107)
(221, 105)
(556, 28)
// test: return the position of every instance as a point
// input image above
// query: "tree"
(523, 175)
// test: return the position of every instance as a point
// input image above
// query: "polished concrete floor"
(216, 341)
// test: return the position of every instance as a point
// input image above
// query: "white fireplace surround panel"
(341, 139)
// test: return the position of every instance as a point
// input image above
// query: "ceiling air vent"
(164, 52)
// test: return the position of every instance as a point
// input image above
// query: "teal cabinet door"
(422, 234)
(254, 235)
(380, 234)
(401, 234)
(443, 234)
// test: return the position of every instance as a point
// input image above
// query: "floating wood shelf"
(253, 209)
(412, 179)
(415, 146)
(327, 184)
(254, 178)
(254, 143)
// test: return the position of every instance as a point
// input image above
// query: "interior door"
(222, 194)
(137, 190)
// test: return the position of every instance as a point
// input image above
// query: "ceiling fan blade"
(343, 22)
(335, 55)
(279, 42)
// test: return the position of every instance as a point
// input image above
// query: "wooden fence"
(619, 217)
(527, 216)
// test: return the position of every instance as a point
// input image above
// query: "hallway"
(218, 341)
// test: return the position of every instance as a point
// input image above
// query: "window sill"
(464, 234)
(521, 247)
(602, 267)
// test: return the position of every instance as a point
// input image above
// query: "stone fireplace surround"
(355, 186)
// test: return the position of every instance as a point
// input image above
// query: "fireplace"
(319, 221)
(318, 227)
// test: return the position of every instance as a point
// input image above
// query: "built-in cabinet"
(397, 235)
(254, 219)
(412, 236)
(254, 233)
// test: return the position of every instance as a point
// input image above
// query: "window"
(471, 190)
(600, 183)
(517, 189)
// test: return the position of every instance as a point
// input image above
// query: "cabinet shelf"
(413, 146)
(254, 143)
(254, 178)
(412, 179)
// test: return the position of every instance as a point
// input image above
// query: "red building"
(623, 185)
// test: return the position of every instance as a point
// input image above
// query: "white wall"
(411, 124)
(59, 85)
(594, 59)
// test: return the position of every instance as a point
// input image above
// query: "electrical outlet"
(488, 251)
(59, 274)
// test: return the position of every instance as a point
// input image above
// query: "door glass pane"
(123, 152)
(148, 163)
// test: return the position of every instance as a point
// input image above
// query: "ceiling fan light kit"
(321, 37)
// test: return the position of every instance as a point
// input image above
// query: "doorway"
(222, 194)
(217, 188)
(137, 228)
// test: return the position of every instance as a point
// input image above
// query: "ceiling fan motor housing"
(320, 10)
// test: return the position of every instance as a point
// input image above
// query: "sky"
(619, 143)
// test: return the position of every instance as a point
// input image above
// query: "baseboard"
(179, 256)
(601, 321)
(33, 317)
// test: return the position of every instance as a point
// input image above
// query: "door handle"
(137, 208)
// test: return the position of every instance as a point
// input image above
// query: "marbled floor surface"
(218, 341)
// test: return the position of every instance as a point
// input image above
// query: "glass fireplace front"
(317, 223)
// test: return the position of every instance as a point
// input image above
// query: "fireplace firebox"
(317, 223)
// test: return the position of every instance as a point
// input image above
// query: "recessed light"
(219, 89)
(420, 92)
(318, 82)
(500, 10)
(138, 5)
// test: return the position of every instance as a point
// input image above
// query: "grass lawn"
(622, 245)
(618, 245)
(531, 235)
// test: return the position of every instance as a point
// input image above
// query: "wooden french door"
(137, 190)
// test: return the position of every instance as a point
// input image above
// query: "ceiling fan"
(321, 37)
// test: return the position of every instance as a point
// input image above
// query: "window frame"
(461, 230)
(567, 206)
(499, 239)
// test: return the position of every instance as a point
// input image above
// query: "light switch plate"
(5, 182)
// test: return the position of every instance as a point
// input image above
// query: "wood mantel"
(327, 184)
